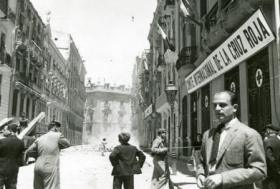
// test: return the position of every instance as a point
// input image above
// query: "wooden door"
(259, 91)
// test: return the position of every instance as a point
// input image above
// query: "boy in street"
(126, 160)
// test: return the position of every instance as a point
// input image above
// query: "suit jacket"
(11, 154)
(126, 160)
(240, 159)
(158, 150)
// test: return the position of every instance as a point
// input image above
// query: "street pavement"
(83, 167)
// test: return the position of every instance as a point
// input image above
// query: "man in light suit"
(232, 154)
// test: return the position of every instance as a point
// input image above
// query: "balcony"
(237, 12)
(187, 56)
(218, 24)
(36, 54)
(160, 63)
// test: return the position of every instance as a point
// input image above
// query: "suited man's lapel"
(231, 134)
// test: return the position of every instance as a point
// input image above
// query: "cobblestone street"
(83, 168)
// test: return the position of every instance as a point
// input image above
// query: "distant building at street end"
(107, 112)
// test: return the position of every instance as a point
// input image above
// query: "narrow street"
(84, 168)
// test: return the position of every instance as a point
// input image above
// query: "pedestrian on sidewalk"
(232, 154)
(11, 157)
(48, 146)
(161, 174)
(127, 160)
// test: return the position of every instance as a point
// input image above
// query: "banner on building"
(250, 38)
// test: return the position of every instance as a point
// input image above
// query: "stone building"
(107, 112)
(7, 32)
(36, 73)
(221, 45)
(76, 93)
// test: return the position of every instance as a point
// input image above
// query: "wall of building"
(108, 112)
(209, 24)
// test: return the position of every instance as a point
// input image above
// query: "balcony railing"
(36, 53)
(187, 55)
(223, 19)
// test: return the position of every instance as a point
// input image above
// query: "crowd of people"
(230, 155)
(46, 148)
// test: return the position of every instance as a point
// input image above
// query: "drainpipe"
(277, 32)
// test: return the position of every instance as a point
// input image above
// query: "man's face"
(163, 135)
(57, 129)
(223, 108)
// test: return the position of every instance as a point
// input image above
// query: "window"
(15, 98)
(2, 48)
(203, 7)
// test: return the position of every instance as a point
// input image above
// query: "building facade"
(7, 32)
(35, 74)
(221, 45)
(107, 112)
(75, 91)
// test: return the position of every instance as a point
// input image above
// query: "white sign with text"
(251, 37)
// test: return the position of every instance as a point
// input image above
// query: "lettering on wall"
(251, 37)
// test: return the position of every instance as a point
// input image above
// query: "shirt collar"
(229, 124)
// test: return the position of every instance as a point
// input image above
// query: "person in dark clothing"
(272, 152)
(23, 122)
(11, 158)
(126, 160)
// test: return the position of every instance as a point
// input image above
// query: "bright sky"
(104, 31)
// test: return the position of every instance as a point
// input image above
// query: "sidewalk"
(184, 179)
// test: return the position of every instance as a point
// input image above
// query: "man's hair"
(13, 127)
(54, 124)
(124, 137)
(233, 97)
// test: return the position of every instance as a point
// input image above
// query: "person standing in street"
(48, 146)
(126, 160)
(11, 157)
(103, 147)
(232, 154)
(161, 174)
(23, 122)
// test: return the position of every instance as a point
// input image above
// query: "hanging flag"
(145, 65)
(189, 11)
(166, 43)
(161, 32)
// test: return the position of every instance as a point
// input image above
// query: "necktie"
(216, 141)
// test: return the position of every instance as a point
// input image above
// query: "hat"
(160, 131)
(54, 124)
(13, 128)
